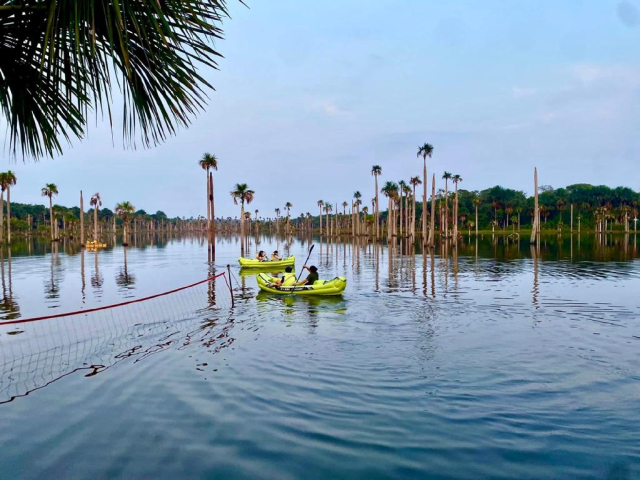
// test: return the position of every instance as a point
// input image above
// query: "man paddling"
(312, 277)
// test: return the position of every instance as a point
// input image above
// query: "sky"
(310, 95)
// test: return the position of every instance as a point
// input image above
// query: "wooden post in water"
(81, 220)
(535, 227)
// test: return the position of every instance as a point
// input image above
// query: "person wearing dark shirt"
(312, 277)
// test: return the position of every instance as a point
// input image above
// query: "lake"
(491, 360)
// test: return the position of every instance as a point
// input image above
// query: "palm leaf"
(61, 59)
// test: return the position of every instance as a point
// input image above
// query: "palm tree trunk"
(208, 200)
(446, 207)
(476, 220)
(51, 216)
(455, 216)
(424, 207)
(376, 210)
(320, 220)
(1, 216)
(95, 223)
(212, 202)
(81, 219)
(432, 233)
(8, 213)
(242, 220)
(413, 213)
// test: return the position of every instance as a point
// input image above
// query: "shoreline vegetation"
(449, 213)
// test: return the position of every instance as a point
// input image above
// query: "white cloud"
(330, 108)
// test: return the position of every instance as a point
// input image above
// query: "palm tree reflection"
(8, 306)
(124, 278)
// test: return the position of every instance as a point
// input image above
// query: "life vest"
(288, 279)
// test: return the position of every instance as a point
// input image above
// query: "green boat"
(268, 264)
(320, 287)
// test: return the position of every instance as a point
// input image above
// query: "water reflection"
(9, 306)
(125, 279)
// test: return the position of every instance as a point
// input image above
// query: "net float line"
(121, 304)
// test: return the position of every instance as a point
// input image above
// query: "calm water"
(492, 361)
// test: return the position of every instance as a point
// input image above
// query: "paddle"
(305, 262)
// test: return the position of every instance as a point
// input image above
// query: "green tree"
(49, 190)
(125, 211)
(376, 171)
(241, 193)
(426, 150)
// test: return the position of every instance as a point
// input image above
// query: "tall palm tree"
(209, 162)
(288, 206)
(376, 171)
(243, 194)
(49, 190)
(357, 195)
(125, 211)
(456, 179)
(320, 204)
(11, 180)
(96, 203)
(3, 186)
(402, 185)
(446, 176)
(277, 210)
(414, 182)
(59, 60)
(390, 190)
(327, 208)
(425, 151)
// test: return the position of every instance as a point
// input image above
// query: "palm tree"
(11, 180)
(390, 190)
(376, 170)
(414, 182)
(277, 210)
(96, 203)
(357, 195)
(60, 59)
(456, 179)
(476, 203)
(402, 185)
(425, 151)
(446, 176)
(7, 179)
(242, 193)
(125, 211)
(209, 162)
(49, 190)
(288, 206)
(327, 208)
(320, 204)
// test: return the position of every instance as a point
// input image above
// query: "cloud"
(333, 110)
(519, 92)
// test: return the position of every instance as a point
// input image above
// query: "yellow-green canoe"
(270, 264)
(320, 287)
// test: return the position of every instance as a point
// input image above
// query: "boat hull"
(328, 288)
(270, 264)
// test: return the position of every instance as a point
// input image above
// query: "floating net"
(35, 352)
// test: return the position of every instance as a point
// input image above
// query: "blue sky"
(311, 94)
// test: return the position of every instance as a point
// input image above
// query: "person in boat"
(275, 256)
(312, 277)
(261, 256)
(287, 280)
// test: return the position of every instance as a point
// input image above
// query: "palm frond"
(61, 59)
